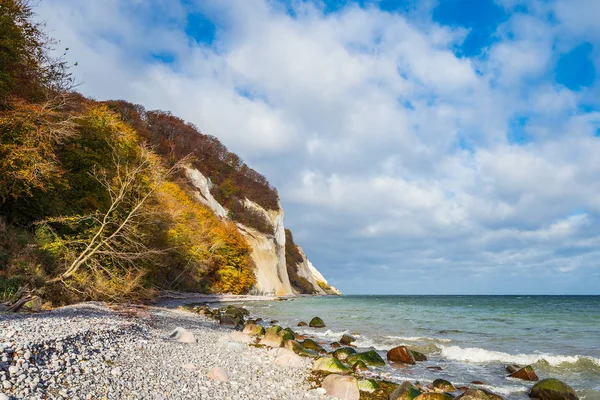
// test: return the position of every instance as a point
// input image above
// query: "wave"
(419, 339)
(477, 355)
(324, 334)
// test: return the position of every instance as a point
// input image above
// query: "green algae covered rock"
(371, 358)
(299, 349)
(442, 385)
(359, 366)
(312, 345)
(254, 330)
(343, 353)
(275, 329)
(316, 322)
(406, 391)
(552, 389)
(478, 394)
(330, 364)
(368, 385)
(418, 356)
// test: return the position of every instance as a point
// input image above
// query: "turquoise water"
(471, 337)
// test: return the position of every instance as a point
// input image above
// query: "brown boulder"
(526, 373)
(401, 354)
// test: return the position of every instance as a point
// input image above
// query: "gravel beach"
(93, 351)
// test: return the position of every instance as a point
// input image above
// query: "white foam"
(477, 355)
(419, 339)
(324, 334)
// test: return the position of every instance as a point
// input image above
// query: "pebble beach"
(94, 351)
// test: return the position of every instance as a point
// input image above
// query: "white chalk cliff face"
(268, 251)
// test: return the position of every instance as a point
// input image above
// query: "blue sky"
(428, 146)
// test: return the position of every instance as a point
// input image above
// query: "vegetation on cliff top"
(93, 203)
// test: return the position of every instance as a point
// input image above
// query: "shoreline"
(95, 350)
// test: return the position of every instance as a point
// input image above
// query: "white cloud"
(388, 149)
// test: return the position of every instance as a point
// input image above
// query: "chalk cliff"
(268, 250)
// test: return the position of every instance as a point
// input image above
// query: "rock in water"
(478, 394)
(526, 373)
(330, 364)
(254, 330)
(371, 358)
(347, 339)
(368, 385)
(512, 368)
(343, 353)
(341, 387)
(316, 322)
(302, 323)
(218, 374)
(418, 356)
(182, 335)
(406, 391)
(442, 385)
(359, 366)
(401, 354)
(552, 389)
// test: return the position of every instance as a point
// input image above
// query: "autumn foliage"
(92, 203)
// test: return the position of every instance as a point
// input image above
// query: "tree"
(106, 247)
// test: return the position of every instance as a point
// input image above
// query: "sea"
(472, 338)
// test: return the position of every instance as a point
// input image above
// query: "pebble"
(89, 351)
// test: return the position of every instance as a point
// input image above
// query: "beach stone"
(512, 368)
(189, 367)
(312, 345)
(368, 385)
(526, 373)
(347, 339)
(316, 322)
(330, 364)
(371, 358)
(4, 397)
(442, 385)
(287, 334)
(341, 387)
(272, 340)
(279, 352)
(406, 391)
(418, 355)
(240, 337)
(218, 374)
(434, 396)
(297, 348)
(401, 354)
(335, 345)
(228, 344)
(182, 335)
(253, 330)
(552, 389)
(290, 360)
(343, 353)
(302, 323)
(359, 366)
(275, 329)
(231, 321)
(478, 394)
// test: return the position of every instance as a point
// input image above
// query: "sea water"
(472, 338)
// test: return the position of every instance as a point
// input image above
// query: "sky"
(418, 146)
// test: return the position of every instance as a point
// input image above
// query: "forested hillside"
(94, 206)
(95, 202)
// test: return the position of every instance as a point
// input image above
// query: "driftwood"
(18, 300)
